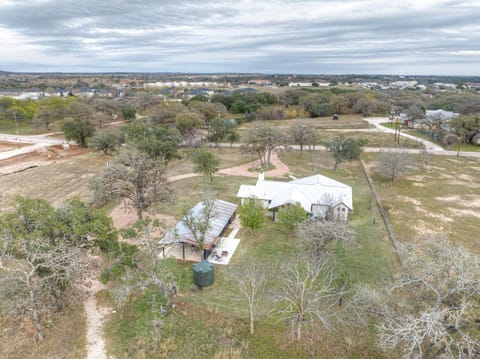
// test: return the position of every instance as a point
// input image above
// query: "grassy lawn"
(213, 322)
(444, 200)
(229, 157)
(375, 139)
(345, 121)
(24, 128)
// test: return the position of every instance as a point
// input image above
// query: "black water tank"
(203, 274)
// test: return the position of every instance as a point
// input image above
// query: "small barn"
(182, 240)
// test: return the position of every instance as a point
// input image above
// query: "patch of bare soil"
(95, 318)
(8, 146)
(123, 216)
(41, 157)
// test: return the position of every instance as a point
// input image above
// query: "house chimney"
(261, 176)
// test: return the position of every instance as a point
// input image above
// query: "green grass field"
(23, 128)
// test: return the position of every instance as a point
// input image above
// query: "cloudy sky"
(440, 37)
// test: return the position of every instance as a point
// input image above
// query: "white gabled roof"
(317, 189)
(321, 180)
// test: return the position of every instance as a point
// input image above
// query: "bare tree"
(251, 280)
(43, 274)
(440, 314)
(310, 296)
(136, 177)
(199, 223)
(393, 163)
(314, 235)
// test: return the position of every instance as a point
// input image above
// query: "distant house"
(444, 86)
(319, 195)
(31, 94)
(403, 84)
(259, 82)
(300, 84)
(223, 214)
(442, 114)
(200, 92)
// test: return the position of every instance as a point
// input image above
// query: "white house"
(319, 195)
(300, 84)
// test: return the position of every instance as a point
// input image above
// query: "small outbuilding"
(221, 216)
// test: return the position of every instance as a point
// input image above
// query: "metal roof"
(317, 189)
(222, 213)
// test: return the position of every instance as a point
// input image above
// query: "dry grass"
(345, 121)
(229, 157)
(445, 200)
(64, 337)
(55, 182)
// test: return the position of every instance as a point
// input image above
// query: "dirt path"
(95, 318)
(280, 169)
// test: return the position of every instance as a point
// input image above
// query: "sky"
(421, 37)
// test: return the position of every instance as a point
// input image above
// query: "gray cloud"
(338, 36)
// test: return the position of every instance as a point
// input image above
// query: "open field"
(54, 182)
(345, 121)
(24, 128)
(351, 127)
(214, 322)
(375, 139)
(443, 201)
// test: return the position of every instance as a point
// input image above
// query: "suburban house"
(319, 195)
(181, 240)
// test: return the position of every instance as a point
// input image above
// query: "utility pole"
(399, 123)
(392, 118)
(15, 118)
(461, 139)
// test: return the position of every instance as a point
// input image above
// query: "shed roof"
(221, 215)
